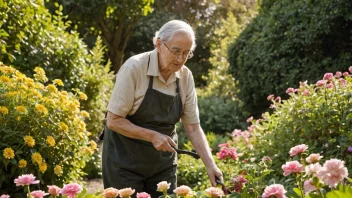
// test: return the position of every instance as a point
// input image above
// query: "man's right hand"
(162, 142)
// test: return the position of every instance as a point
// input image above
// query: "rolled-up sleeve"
(122, 97)
(190, 112)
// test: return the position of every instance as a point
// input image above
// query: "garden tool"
(223, 187)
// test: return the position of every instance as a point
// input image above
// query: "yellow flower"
(93, 144)
(22, 163)
(63, 127)
(18, 118)
(11, 94)
(52, 88)
(36, 157)
(82, 126)
(88, 150)
(7, 69)
(58, 82)
(41, 109)
(5, 79)
(30, 84)
(39, 70)
(4, 110)
(29, 140)
(50, 140)
(82, 96)
(43, 167)
(85, 114)
(58, 170)
(9, 153)
(22, 109)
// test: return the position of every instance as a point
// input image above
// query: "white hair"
(168, 30)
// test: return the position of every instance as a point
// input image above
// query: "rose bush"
(42, 129)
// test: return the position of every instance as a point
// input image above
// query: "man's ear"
(158, 44)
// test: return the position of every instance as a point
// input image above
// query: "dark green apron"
(129, 162)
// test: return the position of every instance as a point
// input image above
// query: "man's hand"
(213, 172)
(162, 142)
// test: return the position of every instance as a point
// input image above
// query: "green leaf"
(298, 192)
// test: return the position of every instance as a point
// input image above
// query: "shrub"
(42, 129)
(290, 41)
(319, 115)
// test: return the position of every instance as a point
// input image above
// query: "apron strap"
(177, 86)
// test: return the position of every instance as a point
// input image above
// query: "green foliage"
(316, 115)
(290, 41)
(42, 130)
(219, 115)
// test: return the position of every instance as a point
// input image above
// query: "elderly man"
(153, 91)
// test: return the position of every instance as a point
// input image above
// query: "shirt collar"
(153, 68)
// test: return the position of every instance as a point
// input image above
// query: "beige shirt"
(132, 82)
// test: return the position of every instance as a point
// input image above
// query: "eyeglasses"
(188, 55)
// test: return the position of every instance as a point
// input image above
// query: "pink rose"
(71, 190)
(238, 183)
(270, 97)
(298, 149)
(333, 172)
(306, 92)
(342, 82)
(38, 194)
(338, 74)
(278, 99)
(54, 190)
(272, 106)
(227, 153)
(329, 85)
(313, 158)
(312, 169)
(290, 90)
(345, 74)
(110, 193)
(320, 83)
(292, 167)
(214, 192)
(224, 145)
(328, 76)
(143, 195)
(250, 119)
(163, 186)
(350, 69)
(5, 196)
(25, 180)
(183, 190)
(308, 186)
(126, 192)
(274, 190)
(236, 132)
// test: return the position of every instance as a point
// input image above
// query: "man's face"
(173, 54)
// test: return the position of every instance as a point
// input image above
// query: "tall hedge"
(290, 41)
(30, 36)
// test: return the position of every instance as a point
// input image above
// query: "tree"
(113, 20)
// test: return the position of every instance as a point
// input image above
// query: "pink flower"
(183, 190)
(292, 167)
(5, 196)
(342, 82)
(238, 183)
(214, 192)
(71, 190)
(54, 190)
(224, 145)
(143, 195)
(313, 158)
(320, 83)
(250, 119)
(227, 153)
(266, 159)
(290, 90)
(298, 149)
(110, 193)
(329, 85)
(236, 132)
(274, 190)
(312, 169)
(333, 172)
(278, 99)
(25, 180)
(328, 76)
(126, 192)
(345, 74)
(350, 69)
(306, 92)
(308, 186)
(270, 97)
(38, 194)
(272, 106)
(338, 74)
(163, 186)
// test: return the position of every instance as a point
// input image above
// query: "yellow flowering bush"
(42, 129)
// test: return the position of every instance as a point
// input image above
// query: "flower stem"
(29, 192)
